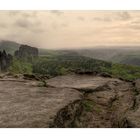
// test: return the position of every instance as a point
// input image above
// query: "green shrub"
(62, 64)
(19, 66)
(126, 71)
(88, 105)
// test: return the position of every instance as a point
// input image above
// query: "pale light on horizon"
(71, 29)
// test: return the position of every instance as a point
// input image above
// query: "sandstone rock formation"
(5, 60)
(26, 103)
(26, 52)
(106, 102)
(69, 101)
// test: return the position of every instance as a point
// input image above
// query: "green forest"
(53, 65)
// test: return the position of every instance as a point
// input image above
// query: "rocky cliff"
(26, 52)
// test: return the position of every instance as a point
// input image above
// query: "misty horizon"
(82, 47)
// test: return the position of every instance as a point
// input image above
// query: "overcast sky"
(71, 29)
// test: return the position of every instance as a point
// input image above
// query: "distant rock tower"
(26, 52)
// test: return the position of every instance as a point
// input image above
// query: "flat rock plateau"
(69, 101)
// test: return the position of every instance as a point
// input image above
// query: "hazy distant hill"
(48, 52)
(130, 59)
(129, 55)
(9, 46)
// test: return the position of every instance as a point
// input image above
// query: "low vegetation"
(64, 64)
(88, 105)
(126, 72)
(53, 65)
(19, 66)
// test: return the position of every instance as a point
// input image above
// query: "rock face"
(69, 101)
(106, 102)
(26, 52)
(137, 85)
(26, 103)
(5, 60)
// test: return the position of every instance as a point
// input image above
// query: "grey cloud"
(23, 23)
(24, 14)
(135, 27)
(124, 15)
(81, 18)
(135, 21)
(134, 24)
(105, 19)
(3, 25)
(37, 30)
(32, 14)
(12, 36)
(64, 25)
(13, 13)
(33, 26)
(26, 20)
(56, 12)
(55, 25)
(129, 25)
